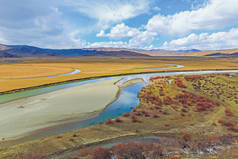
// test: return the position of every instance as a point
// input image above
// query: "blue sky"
(140, 24)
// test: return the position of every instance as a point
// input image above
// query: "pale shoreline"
(33, 113)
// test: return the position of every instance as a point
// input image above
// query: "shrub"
(179, 83)
(228, 112)
(137, 150)
(100, 153)
(229, 124)
(83, 152)
(167, 100)
(109, 121)
(233, 128)
(184, 110)
(138, 113)
(118, 120)
(186, 137)
(155, 116)
(192, 77)
(126, 115)
(134, 119)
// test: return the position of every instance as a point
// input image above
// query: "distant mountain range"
(30, 51)
(226, 53)
(11, 51)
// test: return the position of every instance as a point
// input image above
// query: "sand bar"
(33, 113)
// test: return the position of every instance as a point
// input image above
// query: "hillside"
(228, 52)
(30, 51)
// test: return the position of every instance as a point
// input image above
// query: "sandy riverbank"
(33, 113)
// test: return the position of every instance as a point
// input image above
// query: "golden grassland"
(96, 67)
(150, 118)
(11, 71)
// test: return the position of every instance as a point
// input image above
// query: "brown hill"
(228, 52)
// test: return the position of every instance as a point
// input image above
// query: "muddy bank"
(32, 113)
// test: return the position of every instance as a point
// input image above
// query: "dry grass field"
(96, 67)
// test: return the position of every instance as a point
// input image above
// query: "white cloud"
(60, 24)
(38, 23)
(120, 31)
(112, 44)
(217, 14)
(156, 8)
(113, 10)
(139, 39)
(143, 39)
(205, 41)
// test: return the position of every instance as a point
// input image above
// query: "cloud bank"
(205, 41)
(103, 23)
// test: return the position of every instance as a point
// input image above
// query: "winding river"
(128, 98)
(59, 75)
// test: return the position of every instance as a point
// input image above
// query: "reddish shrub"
(233, 128)
(228, 124)
(83, 152)
(161, 93)
(109, 121)
(192, 77)
(126, 115)
(149, 97)
(179, 83)
(157, 107)
(221, 121)
(213, 138)
(184, 110)
(137, 150)
(138, 113)
(186, 137)
(155, 116)
(125, 151)
(118, 120)
(134, 119)
(155, 78)
(147, 115)
(167, 100)
(228, 112)
(100, 153)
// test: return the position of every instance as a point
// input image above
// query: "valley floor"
(195, 113)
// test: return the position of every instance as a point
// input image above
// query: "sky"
(138, 24)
